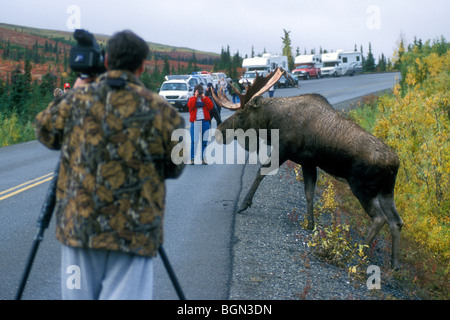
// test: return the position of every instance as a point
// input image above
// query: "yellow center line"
(40, 180)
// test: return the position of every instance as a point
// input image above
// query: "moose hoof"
(395, 266)
(242, 208)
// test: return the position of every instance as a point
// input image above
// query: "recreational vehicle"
(267, 62)
(263, 65)
(307, 66)
(341, 63)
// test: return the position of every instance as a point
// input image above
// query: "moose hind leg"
(395, 225)
(310, 179)
(373, 209)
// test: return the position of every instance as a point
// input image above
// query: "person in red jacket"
(199, 106)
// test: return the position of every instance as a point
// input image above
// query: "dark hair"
(198, 88)
(126, 51)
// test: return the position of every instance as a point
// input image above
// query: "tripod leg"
(26, 272)
(171, 273)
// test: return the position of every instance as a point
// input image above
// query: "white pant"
(88, 274)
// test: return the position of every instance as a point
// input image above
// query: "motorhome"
(263, 65)
(341, 63)
(267, 62)
(308, 58)
(307, 66)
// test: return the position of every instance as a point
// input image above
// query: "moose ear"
(255, 102)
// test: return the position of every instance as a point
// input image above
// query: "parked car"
(208, 77)
(283, 82)
(354, 68)
(250, 76)
(306, 71)
(177, 93)
(201, 80)
(192, 80)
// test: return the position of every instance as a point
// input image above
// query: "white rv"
(307, 66)
(263, 65)
(309, 58)
(341, 63)
(267, 62)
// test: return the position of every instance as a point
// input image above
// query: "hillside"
(48, 50)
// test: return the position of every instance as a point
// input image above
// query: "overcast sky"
(241, 24)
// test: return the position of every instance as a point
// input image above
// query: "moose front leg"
(310, 178)
(249, 197)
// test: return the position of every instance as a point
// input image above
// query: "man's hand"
(80, 82)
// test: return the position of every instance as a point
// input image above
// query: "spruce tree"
(287, 49)
(369, 63)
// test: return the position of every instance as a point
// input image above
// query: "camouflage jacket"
(115, 141)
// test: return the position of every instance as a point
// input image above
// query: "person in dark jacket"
(115, 142)
(215, 111)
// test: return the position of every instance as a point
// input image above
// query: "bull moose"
(314, 135)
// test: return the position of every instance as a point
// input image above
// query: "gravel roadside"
(271, 260)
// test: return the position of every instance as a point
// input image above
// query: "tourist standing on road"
(199, 107)
(215, 111)
(115, 141)
(271, 91)
(237, 87)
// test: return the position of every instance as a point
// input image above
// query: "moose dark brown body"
(314, 135)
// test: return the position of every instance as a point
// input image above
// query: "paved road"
(199, 216)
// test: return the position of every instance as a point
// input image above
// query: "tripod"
(44, 220)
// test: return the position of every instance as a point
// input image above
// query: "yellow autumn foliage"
(12, 131)
(415, 122)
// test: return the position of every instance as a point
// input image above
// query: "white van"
(177, 93)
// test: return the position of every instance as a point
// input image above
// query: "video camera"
(86, 57)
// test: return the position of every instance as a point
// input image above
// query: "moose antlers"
(260, 85)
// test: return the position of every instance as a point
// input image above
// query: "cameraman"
(115, 141)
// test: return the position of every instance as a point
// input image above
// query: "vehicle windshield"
(250, 75)
(178, 86)
(330, 64)
(302, 66)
